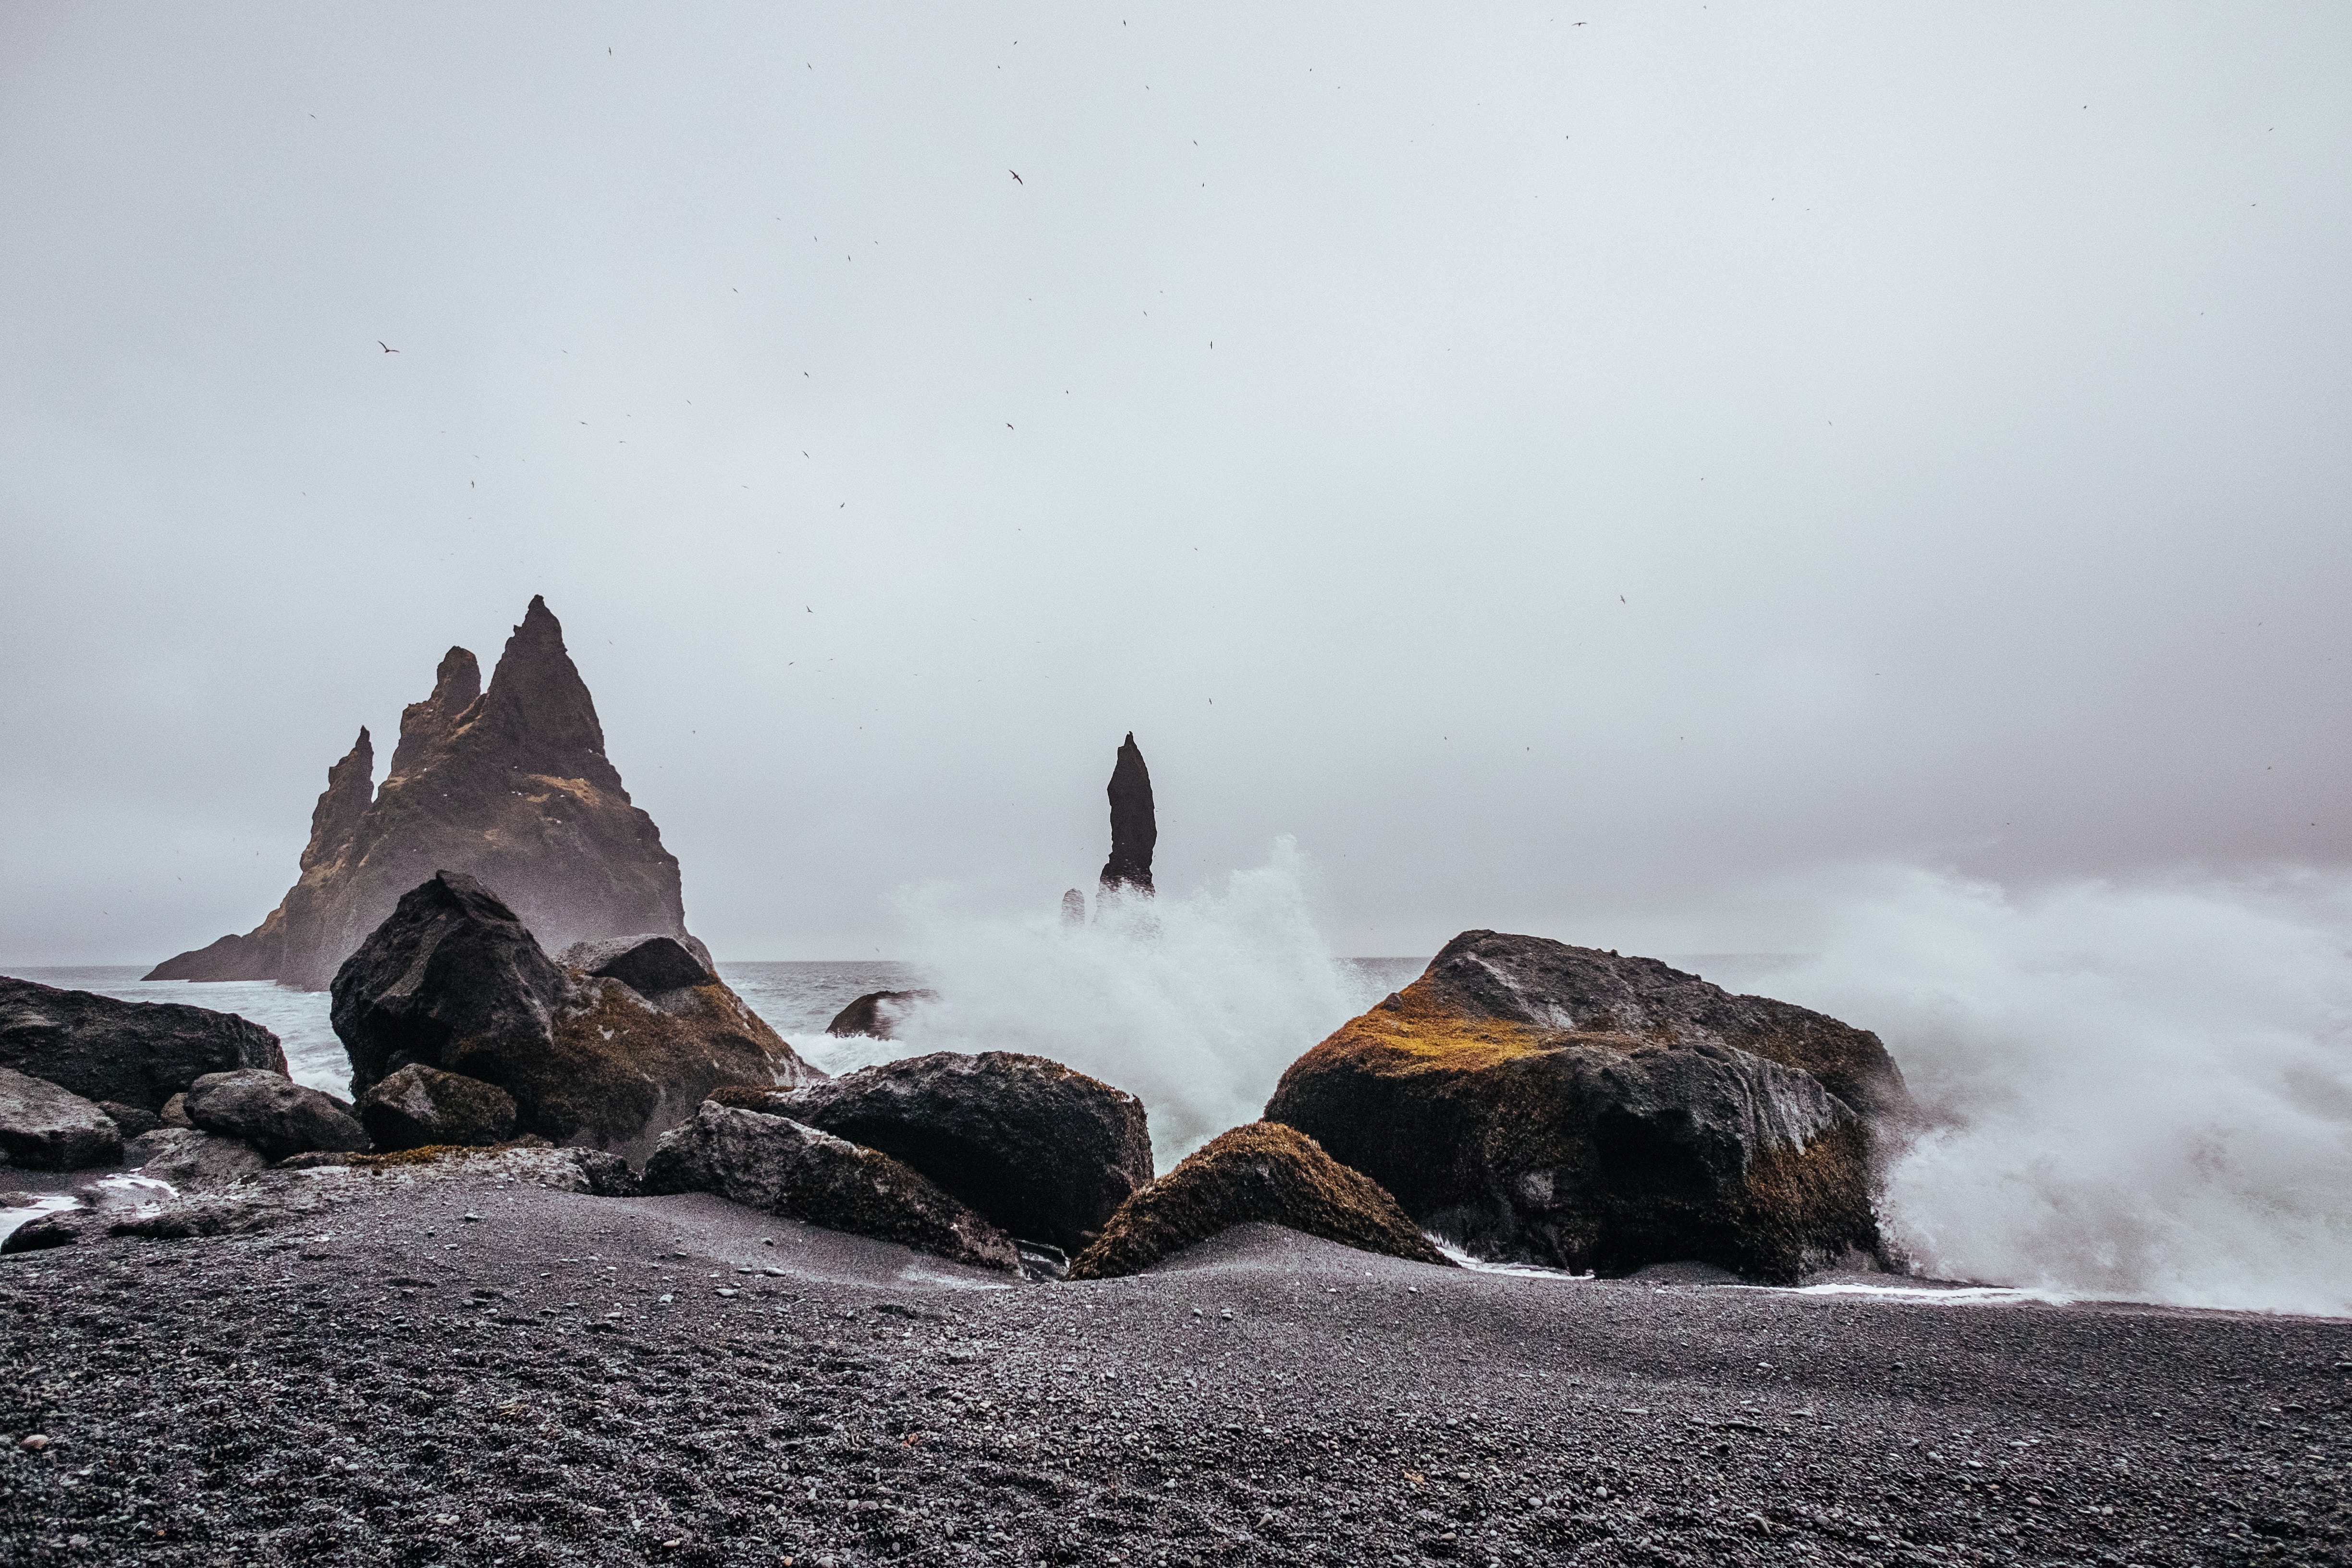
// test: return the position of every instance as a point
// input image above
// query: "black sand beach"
(677, 1379)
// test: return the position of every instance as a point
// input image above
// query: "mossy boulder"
(1264, 1172)
(1558, 1105)
(781, 1167)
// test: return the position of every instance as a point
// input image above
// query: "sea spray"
(2141, 1091)
(1194, 1003)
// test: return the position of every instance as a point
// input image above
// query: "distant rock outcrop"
(511, 786)
(1133, 828)
(1265, 1171)
(1566, 1106)
(454, 981)
(1074, 908)
(133, 1053)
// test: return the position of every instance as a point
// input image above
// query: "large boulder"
(453, 980)
(510, 784)
(878, 1013)
(1566, 1106)
(779, 1165)
(1046, 1152)
(136, 1053)
(419, 1107)
(272, 1112)
(1266, 1172)
(45, 1128)
(648, 962)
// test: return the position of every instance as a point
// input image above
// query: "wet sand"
(572, 1379)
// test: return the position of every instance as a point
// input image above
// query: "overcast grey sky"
(1560, 463)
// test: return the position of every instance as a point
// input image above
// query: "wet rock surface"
(454, 981)
(195, 1162)
(646, 963)
(45, 1128)
(510, 784)
(679, 1381)
(1045, 1152)
(779, 1166)
(1561, 1106)
(1265, 1172)
(278, 1116)
(417, 1106)
(1134, 824)
(137, 1052)
(878, 1013)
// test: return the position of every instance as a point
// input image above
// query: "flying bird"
(1016, 177)
(385, 346)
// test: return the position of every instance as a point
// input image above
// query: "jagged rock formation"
(133, 1053)
(1566, 1106)
(1265, 1171)
(1133, 828)
(511, 786)
(454, 980)
(781, 1166)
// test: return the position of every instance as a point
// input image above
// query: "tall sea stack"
(1133, 831)
(510, 786)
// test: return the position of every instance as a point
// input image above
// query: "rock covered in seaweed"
(781, 1166)
(1264, 1172)
(1570, 1107)
(511, 786)
(138, 1054)
(454, 981)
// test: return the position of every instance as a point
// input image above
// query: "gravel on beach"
(472, 1371)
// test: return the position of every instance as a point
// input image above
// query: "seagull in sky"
(1016, 177)
(385, 346)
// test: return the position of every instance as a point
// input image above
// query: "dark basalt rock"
(510, 786)
(1046, 1152)
(58, 1227)
(1266, 1172)
(135, 1053)
(132, 1119)
(878, 1013)
(1564, 1105)
(647, 964)
(418, 1106)
(45, 1128)
(1133, 827)
(272, 1112)
(453, 980)
(779, 1165)
(196, 1161)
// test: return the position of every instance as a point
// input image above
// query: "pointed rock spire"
(539, 709)
(424, 725)
(1133, 828)
(351, 789)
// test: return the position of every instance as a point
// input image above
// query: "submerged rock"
(1569, 1106)
(511, 786)
(1266, 1172)
(454, 981)
(1134, 827)
(272, 1112)
(1044, 1150)
(418, 1106)
(134, 1053)
(781, 1166)
(45, 1128)
(877, 1013)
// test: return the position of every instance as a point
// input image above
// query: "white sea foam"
(1194, 1003)
(2143, 1091)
